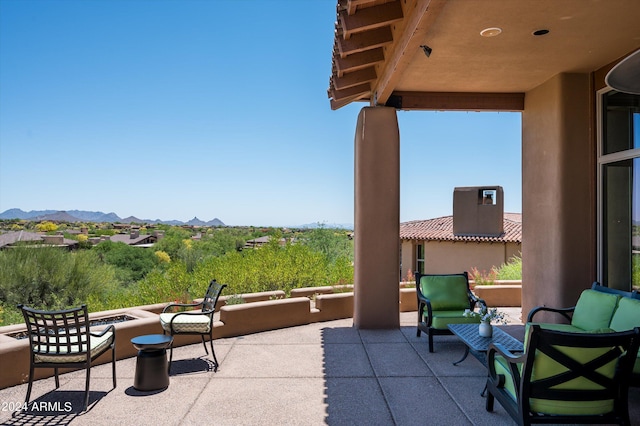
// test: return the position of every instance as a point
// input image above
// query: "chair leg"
(204, 344)
(86, 388)
(113, 364)
(489, 403)
(430, 342)
(30, 384)
(215, 360)
(55, 371)
(418, 333)
(170, 356)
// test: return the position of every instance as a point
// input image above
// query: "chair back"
(577, 373)
(211, 296)
(58, 332)
(446, 292)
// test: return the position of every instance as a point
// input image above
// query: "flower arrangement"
(487, 315)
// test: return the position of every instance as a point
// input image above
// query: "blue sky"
(167, 109)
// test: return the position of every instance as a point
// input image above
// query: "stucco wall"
(558, 194)
(446, 256)
(377, 219)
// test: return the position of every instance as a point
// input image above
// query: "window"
(619, 191)
(420, 258)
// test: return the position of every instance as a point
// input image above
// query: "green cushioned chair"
(442, 300)
(599, 309)
(62, 339)
(564, 377)
(193, 321)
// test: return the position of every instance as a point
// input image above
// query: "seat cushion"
(545, 367)
(442, 318)
(627, 316)
(445, 292)
(594, 310)
(97, 345)
(186, 323)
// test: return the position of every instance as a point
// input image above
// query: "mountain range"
(89, 216)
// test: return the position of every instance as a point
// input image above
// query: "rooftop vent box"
(478, 211)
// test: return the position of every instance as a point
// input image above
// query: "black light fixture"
(426, 49)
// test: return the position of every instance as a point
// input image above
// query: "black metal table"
(152, 369)
(478, 345)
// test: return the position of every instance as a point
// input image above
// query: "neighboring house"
(134, 238)
(431, 246)
(260, 241)
(20, 237)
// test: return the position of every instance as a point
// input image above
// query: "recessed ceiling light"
(540, 32)
(490, 32)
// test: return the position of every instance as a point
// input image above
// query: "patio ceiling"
(378, 55)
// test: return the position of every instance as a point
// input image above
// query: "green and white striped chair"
(62, 339)
(193, 321)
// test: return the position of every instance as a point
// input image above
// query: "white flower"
(487, 315)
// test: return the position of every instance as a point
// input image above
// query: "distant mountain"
(327, 225)
(89, 216)
(58, 217)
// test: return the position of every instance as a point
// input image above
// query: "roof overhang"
(430, 54)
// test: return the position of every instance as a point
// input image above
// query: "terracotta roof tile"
(441, 229)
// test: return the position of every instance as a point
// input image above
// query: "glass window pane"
(621, 122)
(621, 222)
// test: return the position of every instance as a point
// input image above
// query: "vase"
(485, 329)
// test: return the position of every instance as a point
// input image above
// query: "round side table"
(152, 369)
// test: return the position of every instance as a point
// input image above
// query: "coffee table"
(478, 345)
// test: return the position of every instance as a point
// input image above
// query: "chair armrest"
(422, 303)
(513, 360)
(562, 311)
(181, 305)
(111, 328)
(473, 300)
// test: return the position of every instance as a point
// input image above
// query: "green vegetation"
(179, 267)
(512, 270)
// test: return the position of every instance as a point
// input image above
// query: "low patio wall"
(500, 294)
(261, 312)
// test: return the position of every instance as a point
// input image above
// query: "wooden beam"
(352, 5)
(354, 78)
(365, 41)
(417, 23)
(359, 90)
(454, 101)
(370, 18)
(339, 104)
(358, 60)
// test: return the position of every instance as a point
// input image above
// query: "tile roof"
(13, 237)
(441, 229)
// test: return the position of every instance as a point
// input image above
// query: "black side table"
(152, 369)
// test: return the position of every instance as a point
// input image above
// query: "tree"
(46, 226)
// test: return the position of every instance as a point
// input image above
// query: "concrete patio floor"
(321, 373)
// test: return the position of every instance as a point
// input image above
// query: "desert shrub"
(132, 263)
(51, 278)
(483, 277)
(512, 270)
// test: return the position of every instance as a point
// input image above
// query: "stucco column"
(377, 219)
(558, 193)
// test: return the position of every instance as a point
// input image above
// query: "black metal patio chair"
(62, 339)
(198, 322)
